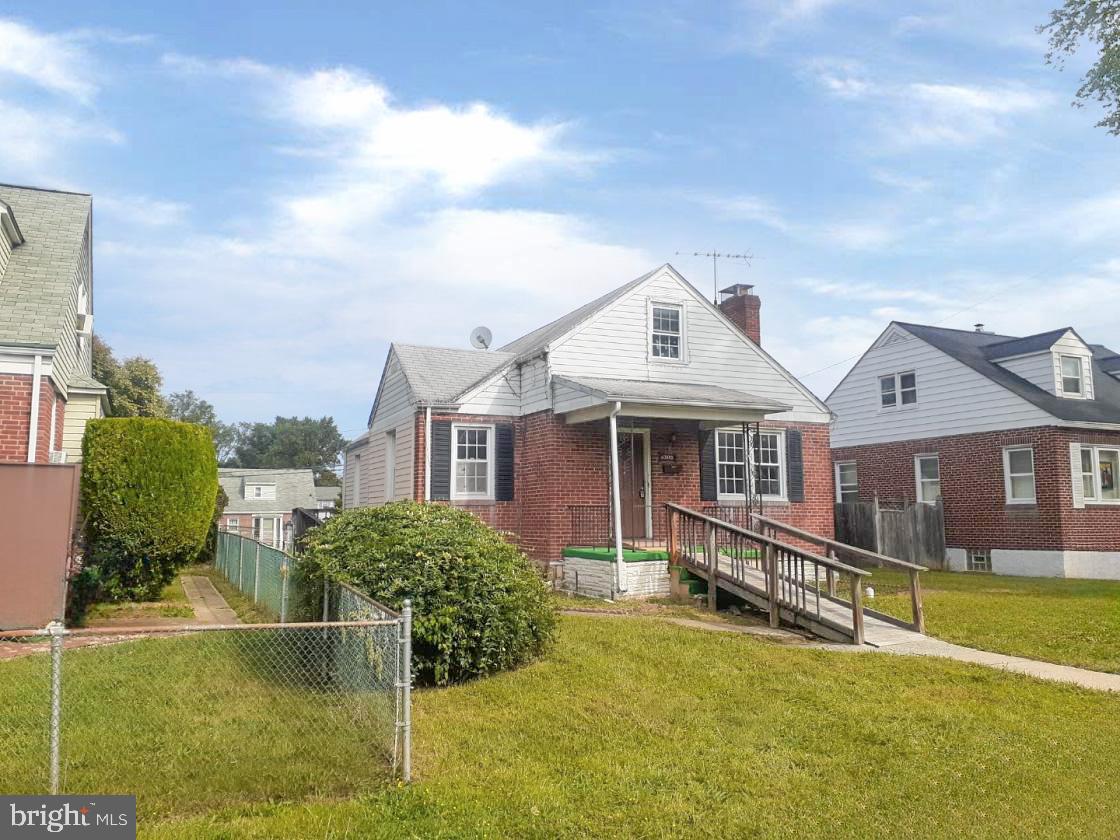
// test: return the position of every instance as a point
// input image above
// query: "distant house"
(261, 501)
(47, 389)
(328, 500)
(647, 395)
(1018, 437)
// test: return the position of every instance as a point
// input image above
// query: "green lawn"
(633, 727)
(172, 603)
(1072, 622)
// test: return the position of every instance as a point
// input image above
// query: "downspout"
(33, 428)
(427, 453)
(616, 499)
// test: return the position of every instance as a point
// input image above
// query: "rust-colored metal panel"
(38, 507)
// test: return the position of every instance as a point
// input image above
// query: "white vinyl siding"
(1018, 475)
(389, 485)
(613, 344)
(79, 410)
(953, 400)
(1036, 368)
(847, 482)
(927, 477)
(494, 396)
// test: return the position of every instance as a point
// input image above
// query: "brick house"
(261, 501)
(47, 389)
(576, 434)
(1019, 438)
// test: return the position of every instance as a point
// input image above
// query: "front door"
(632, 484)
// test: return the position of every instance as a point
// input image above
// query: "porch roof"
(665, 399)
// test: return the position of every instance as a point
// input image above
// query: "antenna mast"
(716, 257)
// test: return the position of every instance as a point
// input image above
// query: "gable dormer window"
(897, 389)
(1073, 376)
(666, 331)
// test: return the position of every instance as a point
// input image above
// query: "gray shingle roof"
(670, 393)
(541, 337)
(437, 375)
(294, 488)
(1040, 343)
(973, 349)
(35, 288)
(327, 494)
(85, 382)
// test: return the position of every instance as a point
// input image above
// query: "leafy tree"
(1097, 22)
(190, 408)
(134, 384)
(290, 442)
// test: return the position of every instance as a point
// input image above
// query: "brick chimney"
(742, 307)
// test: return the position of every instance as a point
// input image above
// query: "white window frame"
(233, 523)
(972, 565)
(682, 334)
(1008, 475)
(277, 527)
(1098, 497)
(1082, 379)
(896, 389)
(720, 494)
(919, 481)
(390, 465)
(839, 485)
(488, 496)
(748, 451)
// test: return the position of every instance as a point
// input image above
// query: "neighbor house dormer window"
(897, 389)
(1073, 376)
(666, 332)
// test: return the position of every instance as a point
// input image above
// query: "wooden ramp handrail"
(766, 571)
(917, 611)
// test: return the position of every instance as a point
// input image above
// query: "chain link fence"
(196, 717)
(259, 571)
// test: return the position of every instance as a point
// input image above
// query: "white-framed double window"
(1018, 475)
(233, 523)
(927, 477)
(847, 482)
(266, 529)
(472, 462)
(1100, 474)
(666, 332)
(1072, 376)
(896, 389)
(767, 460)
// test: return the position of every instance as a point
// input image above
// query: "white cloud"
(34, 139)
(53, 62)
(141, 210)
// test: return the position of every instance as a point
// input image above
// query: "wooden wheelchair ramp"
(820, 594)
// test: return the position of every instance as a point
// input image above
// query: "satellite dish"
(481, 338)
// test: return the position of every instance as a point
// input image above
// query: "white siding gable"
(1036, 368)
(497, 395)
(615, 344)
(394, 398)
(953, 399)
(1044, 369)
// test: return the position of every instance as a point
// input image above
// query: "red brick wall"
(973, 494)
(558, 465)
(15, 418)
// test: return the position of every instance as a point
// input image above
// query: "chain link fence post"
(240, 560)
(326, 599)
(406, 690)
(57, 632)
(257, 576)
(284, 568)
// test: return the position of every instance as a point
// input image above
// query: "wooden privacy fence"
(907, 531)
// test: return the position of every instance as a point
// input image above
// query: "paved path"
(207, 602)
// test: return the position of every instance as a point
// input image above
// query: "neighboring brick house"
(47, 389)
(1019, 437)
(651, 383)
(261, 501)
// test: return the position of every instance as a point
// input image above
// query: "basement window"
(979, 560)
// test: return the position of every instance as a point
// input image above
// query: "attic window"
(1072, 376)
(898, 389)
(666, 332)
(260, 491)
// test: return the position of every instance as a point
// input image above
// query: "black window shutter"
(795, 466)
(709, 486)
(503, 464)
(441, 459)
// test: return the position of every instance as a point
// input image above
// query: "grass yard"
(1071, 622)
(633, 727)
(172, 603)
(248, 611)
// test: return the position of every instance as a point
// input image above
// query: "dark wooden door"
(632, 484)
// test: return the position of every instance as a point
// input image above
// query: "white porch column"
(616, 500)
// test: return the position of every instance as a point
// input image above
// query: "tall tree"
(298, 443)
(1096, 22)
(134, 384)
(190, 408)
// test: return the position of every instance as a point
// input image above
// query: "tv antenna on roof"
(481, 338)
(716, 257)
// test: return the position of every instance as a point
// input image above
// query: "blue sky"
(279, 192)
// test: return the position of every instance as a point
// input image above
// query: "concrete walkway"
(208, 604)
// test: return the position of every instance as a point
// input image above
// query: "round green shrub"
(147, 496)
(480, 605)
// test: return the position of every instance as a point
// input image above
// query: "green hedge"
(480, 605)
(147, 497)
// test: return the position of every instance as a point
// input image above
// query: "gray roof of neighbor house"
(541, 337)
(976, 350)
(669, 393)
(327, 494)
(36, 286)
(437, 375)
(294, 488)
